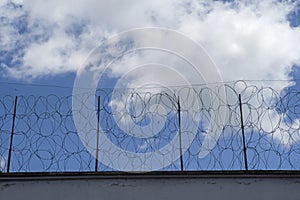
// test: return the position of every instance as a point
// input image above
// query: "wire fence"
(258, 129)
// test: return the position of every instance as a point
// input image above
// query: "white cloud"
(248, 43)
(2, 164)
(251, 40)
(246, 39)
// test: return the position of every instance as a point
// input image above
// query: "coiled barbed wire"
(45, 138)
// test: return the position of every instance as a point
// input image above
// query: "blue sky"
(43, 44)
(38, 47)
(65, 36)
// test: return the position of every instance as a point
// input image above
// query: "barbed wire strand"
(46, 140)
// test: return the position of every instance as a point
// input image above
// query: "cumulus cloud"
(249, 42)
(246, 39)
(2, 164)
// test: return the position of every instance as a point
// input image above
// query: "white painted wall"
(139, 187)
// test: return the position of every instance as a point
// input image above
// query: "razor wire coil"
(45, 138)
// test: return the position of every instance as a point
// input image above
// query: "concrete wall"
(173, 186)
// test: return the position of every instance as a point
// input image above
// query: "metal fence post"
(179, 134)
(12, 135)
(243, 133)
(98, 129)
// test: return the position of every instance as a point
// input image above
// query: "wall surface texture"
(167, 186)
